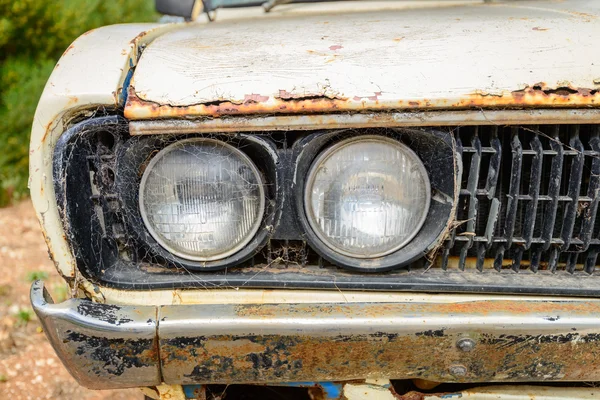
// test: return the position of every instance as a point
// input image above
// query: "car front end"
(332, 192)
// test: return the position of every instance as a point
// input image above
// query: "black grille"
(528, 198)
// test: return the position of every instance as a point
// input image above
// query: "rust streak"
(538, 95)
(500, 307)
(298, 357)
(71, 47)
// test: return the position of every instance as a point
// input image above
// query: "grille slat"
(472, 183)
(587, 227)
(553, 188)
(536, 257)
(574, 188)
(513, 191)
(499, 258)
(534, 190)
(590, 261)
(494, 168)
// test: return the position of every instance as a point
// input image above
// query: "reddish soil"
(29, 368)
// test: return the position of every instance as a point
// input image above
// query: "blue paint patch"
(191, 391)
(126, 82)
(332, 390)
(451, 396)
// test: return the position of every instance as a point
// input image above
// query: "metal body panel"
(530, 54)
(89, 76)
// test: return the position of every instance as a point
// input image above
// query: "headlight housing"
(98, 168)
(202, 199)
(367, 197)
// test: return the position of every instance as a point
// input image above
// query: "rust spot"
(558, 94)
(317, 53)
(73, 100)
(71, 47)
(336, 47)
(88, 32)
(586, 17)
(241, 346)
(138, 37)
(398, 39)
(412, 395)
(255, 98)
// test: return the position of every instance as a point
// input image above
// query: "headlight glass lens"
(202, 199)
(367, 196)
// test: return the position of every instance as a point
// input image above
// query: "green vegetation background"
(33, 35)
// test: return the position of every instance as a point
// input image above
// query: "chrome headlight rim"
(326, 153)
(438, 152)
(221, 257)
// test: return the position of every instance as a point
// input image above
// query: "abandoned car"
(363, 198)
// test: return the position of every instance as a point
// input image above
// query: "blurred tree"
(33, 35)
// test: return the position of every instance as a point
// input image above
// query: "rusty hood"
(514, 54)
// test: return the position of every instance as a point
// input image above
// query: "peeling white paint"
(431, 54)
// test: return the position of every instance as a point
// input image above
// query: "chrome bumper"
(108, 346)
(102, 346)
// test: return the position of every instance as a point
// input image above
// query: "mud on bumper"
(514, 340)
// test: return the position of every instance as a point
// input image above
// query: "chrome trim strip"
(365, 120)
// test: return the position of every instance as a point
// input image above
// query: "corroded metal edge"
(103, 346)
(366, 120)
(519, 340)
(513, 341)
(537, 96)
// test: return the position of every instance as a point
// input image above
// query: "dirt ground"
(29, 368)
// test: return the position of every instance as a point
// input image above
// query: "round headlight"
(202, 199)
(367, 196)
